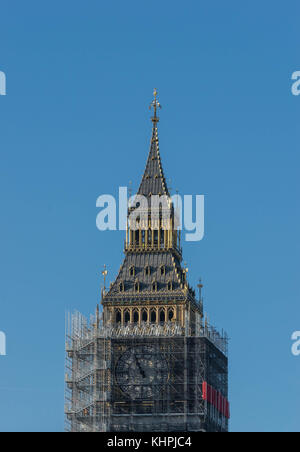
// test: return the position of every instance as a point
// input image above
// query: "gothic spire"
(153, 181)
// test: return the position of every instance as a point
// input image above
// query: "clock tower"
(149, 362)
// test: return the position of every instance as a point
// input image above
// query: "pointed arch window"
(162, 316)
(153, 316)
(143, 236)
(137, 286)
(132, 271)
(147, 270)
(145, 316)
(170, 285)
(162, 270)
(136, 317)
(171, 314)
(121, 286)
(127, 316)
(118, 316)
(154, 286)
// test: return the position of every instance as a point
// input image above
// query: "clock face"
(141, 372)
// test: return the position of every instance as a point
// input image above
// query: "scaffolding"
(96, 402)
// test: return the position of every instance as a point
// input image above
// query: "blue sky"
(75, 124)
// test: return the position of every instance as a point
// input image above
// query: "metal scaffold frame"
(95, 404)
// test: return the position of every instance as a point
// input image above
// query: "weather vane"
(155, 105)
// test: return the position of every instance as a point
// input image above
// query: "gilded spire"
(155, 105)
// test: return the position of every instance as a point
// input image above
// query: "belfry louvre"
(148, 361)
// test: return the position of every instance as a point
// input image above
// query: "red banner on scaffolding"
(216, 399)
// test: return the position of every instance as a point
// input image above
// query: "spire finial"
(104, 274)
(200, 287)
(155, 104)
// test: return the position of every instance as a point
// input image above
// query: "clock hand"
(142, 372)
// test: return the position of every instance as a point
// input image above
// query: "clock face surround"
(141, 372)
